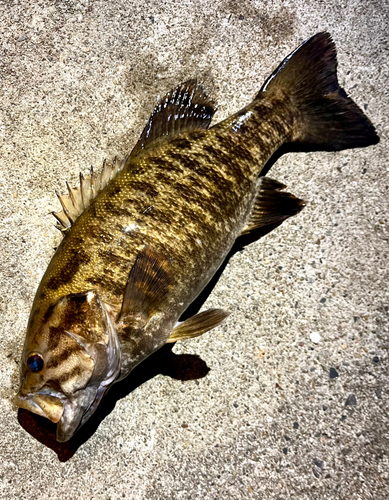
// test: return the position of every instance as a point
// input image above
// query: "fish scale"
(146, 235)
(168, 224)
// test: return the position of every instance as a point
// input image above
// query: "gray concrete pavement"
(256, 409)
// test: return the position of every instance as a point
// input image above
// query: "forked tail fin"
(324, 115)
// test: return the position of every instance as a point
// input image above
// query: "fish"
(144, 237)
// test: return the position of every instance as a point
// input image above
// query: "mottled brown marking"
(107, 283)
(54, 337)
(145, 187)
(160, 163)
(118, 211)
(58, 359)
(116, 190)
(96, 232)
(69, 375)
(69, 268)
(185, 191)
(182, 143)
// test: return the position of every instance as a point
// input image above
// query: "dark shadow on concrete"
(164, 361)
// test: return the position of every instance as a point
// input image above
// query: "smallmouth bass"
(143, 238)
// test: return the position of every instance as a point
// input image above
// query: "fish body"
(143, 239)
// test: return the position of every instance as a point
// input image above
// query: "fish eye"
(35, 362)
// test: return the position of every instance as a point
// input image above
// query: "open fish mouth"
(68, 413)
(42, 404)
(64, 412)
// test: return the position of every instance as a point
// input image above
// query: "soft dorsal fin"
(184, 108)
(271, 205)
(78, 199)
(147, 285)
(197, 325)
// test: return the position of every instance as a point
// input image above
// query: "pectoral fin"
(272, 205)
(197, 325)
(147, 285)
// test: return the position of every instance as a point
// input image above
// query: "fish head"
(70, 359)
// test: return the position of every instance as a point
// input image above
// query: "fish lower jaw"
(45, 406)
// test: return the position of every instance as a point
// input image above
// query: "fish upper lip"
(36, 402)
(46, 390)
(26, 402)
(49, 391)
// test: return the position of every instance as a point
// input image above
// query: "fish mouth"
(42, 404)
(51, 404)
(68, 413)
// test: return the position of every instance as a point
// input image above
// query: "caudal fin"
(324, 115)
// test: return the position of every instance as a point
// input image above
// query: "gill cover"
(69, 364)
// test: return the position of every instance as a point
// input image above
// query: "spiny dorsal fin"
(78, 199)
(148, 283)
(185, 108)
(197, 325)
(271, 205)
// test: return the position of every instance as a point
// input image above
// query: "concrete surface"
(251, 410)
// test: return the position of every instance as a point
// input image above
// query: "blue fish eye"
(35, 362)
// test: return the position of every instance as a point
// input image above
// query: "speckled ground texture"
(256, 409)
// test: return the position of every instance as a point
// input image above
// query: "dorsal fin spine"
(65, 209)
(82, 187)
(92, 181)
(71, 194)
(78, 199)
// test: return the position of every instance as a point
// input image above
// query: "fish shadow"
(165, 362)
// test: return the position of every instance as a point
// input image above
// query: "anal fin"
(197, 325)
(271, 205)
